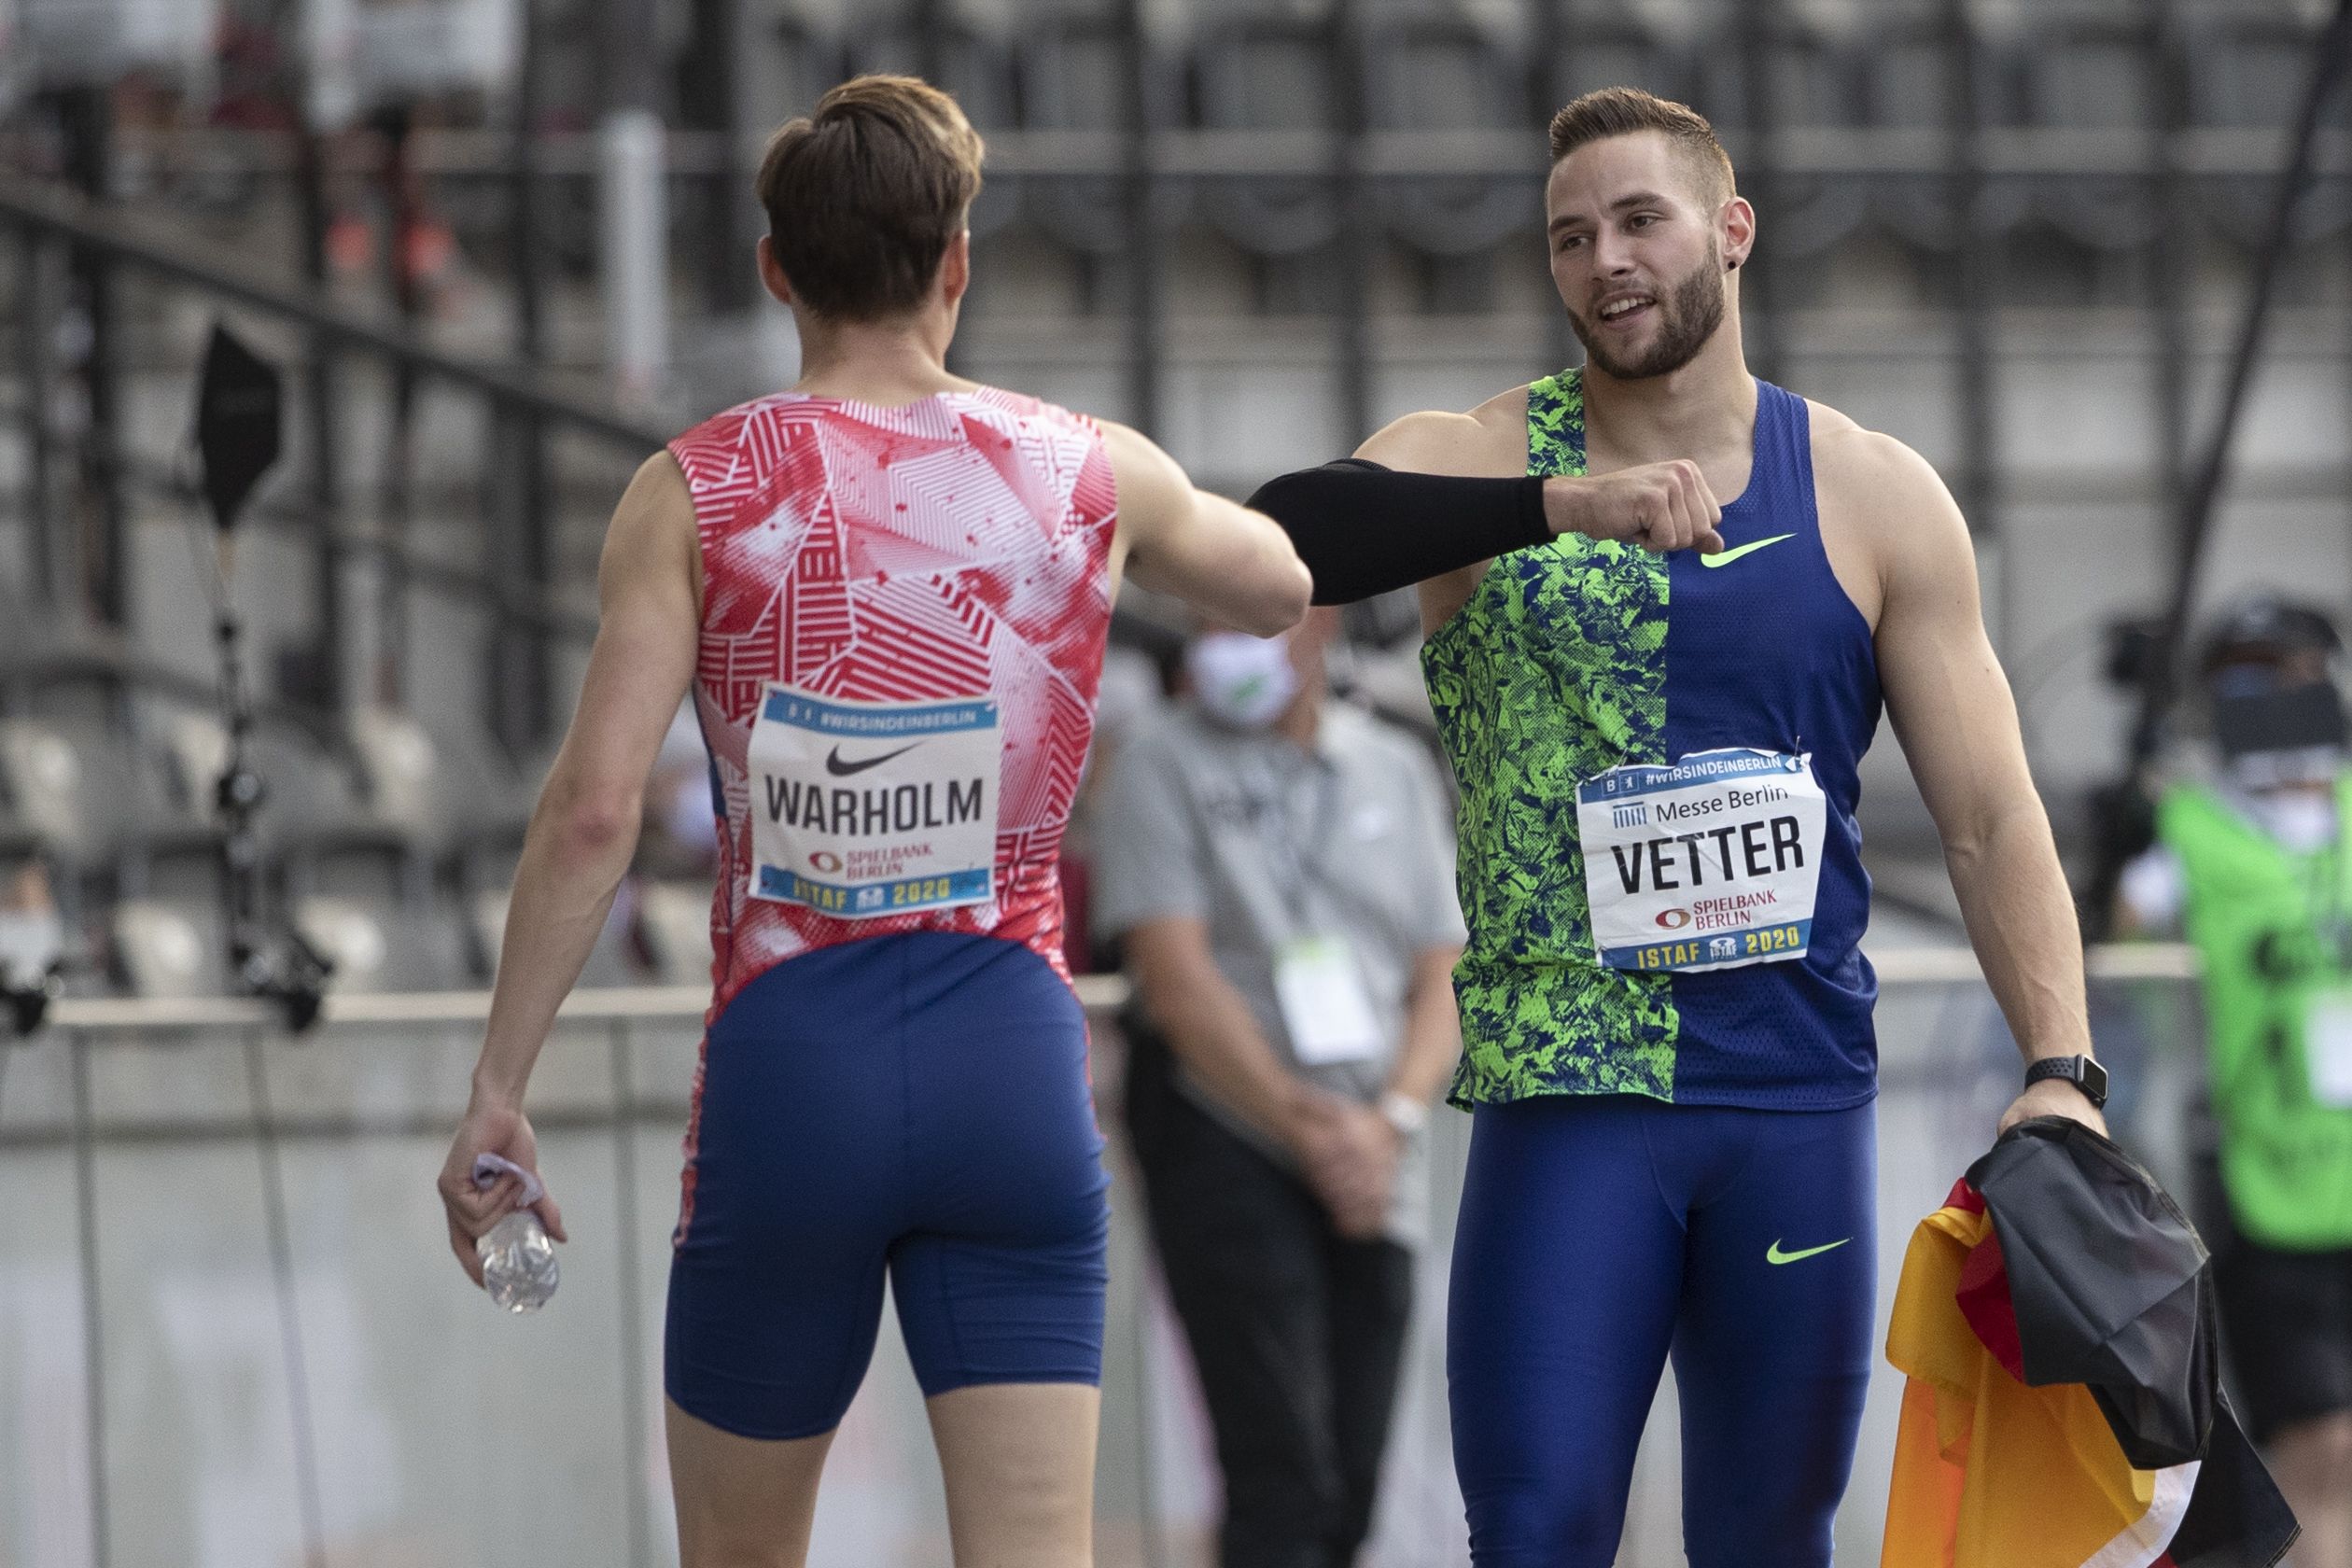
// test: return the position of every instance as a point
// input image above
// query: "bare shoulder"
(1489, 440)
(1128, 446)
(660, 481)
(1887, 522)
(658, 504)
(1867, 472)
(1144, 475)
(655, 537)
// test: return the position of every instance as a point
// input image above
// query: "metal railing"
(615, 1075)
(102, 241)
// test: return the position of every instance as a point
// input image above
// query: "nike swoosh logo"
(1773, 1254)
(1725, 557)
(839, 769)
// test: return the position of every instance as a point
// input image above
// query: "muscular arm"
(1435, 497)
(586, 827)
(584, 830)
(1232, 564)
(1951, 707)
(1490, 443)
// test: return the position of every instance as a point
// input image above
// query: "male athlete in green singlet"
(1665, 1011)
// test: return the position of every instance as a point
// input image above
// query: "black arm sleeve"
(1364, 529)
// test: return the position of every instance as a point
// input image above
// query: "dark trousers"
(1299, 1334)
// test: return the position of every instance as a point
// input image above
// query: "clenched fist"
(1657, 506)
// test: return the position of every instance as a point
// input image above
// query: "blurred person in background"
(1131, 698)
(2253, 865)
(1280, 871)
(681, 805)
(1656, 705)
(888, 591)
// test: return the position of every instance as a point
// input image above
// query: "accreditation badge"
(862, 809)
(1326, 1004)
(2328, 1046)
(1710, 862)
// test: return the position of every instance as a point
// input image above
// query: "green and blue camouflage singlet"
(1578, 656)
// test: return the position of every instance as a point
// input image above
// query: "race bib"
(863, 809)
(2328, 1049)
(1326, 1006)
(1710, 862)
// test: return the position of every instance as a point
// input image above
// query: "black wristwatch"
(2084, 1073)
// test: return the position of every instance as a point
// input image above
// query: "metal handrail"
(86, 1025)
(135, 240)
(1102, 995)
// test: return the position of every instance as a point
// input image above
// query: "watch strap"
(2084, 1073)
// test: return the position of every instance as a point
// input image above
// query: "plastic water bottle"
(518, 1262)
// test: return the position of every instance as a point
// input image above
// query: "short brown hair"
(1621, 111)
(864, 196)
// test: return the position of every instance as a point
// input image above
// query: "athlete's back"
(886, 591)
(903, 619)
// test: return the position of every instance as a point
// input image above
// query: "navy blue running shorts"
(913, 1105)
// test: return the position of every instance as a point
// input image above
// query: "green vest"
(2258, 915)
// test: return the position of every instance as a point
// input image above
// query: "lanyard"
(1300, 846)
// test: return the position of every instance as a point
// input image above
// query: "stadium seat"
(2244, 70)
(86, 790)
(968, 62)
(2091, 76)
(1812, 77)
(806, 62)
(376, 945)
(1616, 53)
(441, 792)
(310, 797)
(1907, 85)
(673, 931)
(1071, 74)
(1906, 78)
(1439, 76)
(1272, 76)
(965, 61)
(169, 947)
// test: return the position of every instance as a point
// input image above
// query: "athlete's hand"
(494, 1129)
(1657, 506)
(2053, 1097)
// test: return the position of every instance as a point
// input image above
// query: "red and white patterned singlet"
(880, 567)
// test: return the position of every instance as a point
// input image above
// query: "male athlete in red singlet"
(888, 591)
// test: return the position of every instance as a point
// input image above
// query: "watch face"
(2094, 1081)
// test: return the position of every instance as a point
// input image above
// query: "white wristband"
(1403, 1112)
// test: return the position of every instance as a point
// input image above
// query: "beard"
(1687, 315)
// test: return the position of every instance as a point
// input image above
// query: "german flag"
(1993, 1470)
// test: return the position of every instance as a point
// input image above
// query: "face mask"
(2303, 822)
(1241, 680)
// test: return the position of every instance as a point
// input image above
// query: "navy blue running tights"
(913, 1105)
(1598, 1235)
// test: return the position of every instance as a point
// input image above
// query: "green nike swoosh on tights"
(1773, 1254)
(1725, 557)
